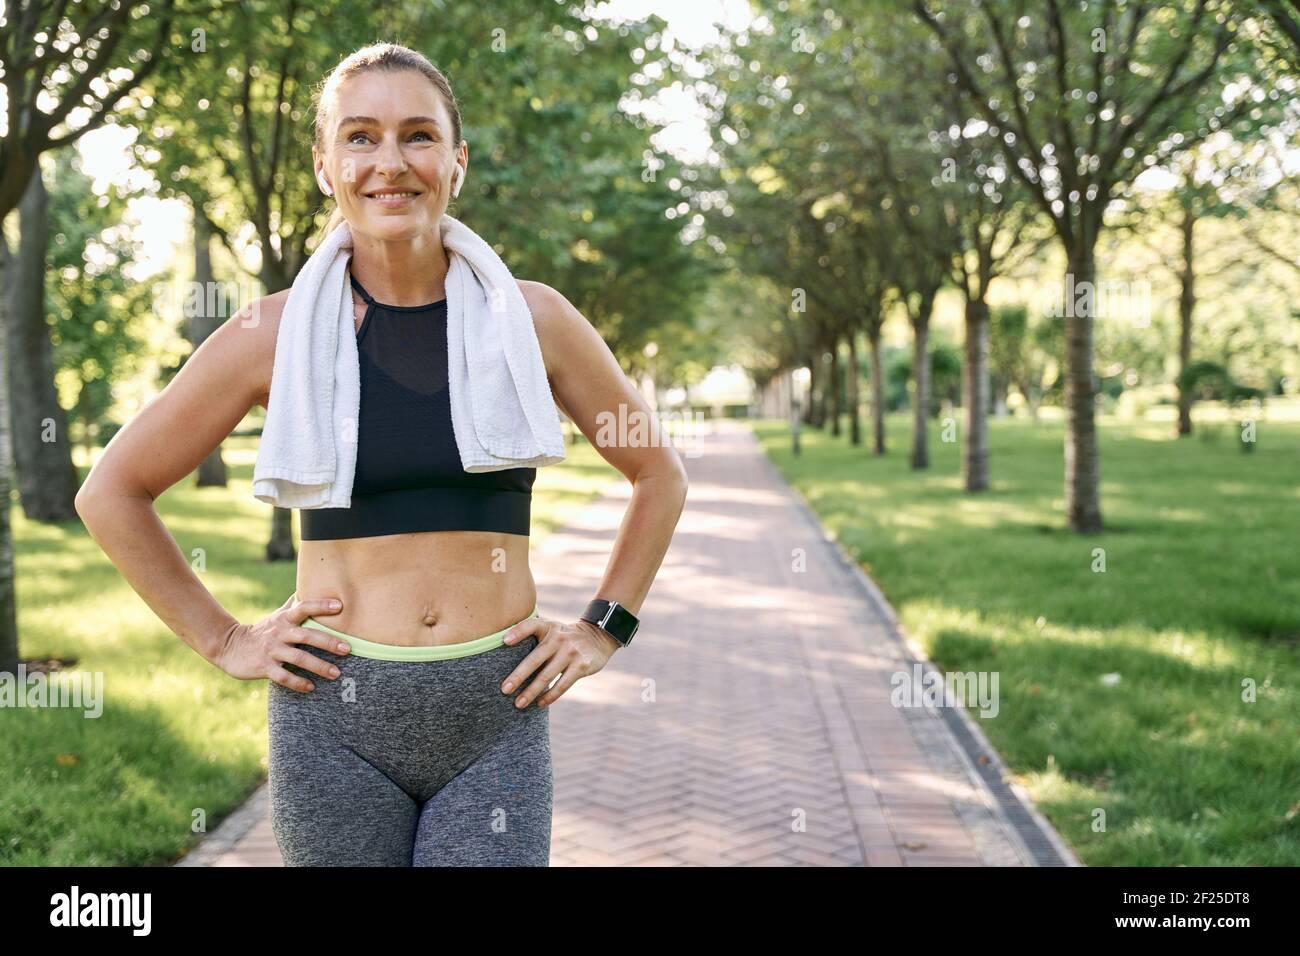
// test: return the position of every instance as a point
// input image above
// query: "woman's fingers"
(305, 661)
(536, 656)
(567, 680)
(318, 638)
(526, 627)
(285, 679)
(313, 606)
(541, 682)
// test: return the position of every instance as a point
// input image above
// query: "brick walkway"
(750, 722)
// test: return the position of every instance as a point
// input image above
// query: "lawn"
(1148, 675)
(178, 744)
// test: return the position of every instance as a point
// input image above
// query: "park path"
(750, 722)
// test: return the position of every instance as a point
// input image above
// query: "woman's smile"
(393, 198)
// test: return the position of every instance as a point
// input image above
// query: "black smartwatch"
(612, 618)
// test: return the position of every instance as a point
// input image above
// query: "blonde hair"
(393, 58)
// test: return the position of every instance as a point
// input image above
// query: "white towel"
(502, 410)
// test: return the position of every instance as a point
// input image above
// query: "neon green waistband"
(397, 652)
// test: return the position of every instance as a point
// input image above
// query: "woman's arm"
(226, 376)
(591, 388)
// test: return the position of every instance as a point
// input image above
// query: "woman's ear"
(321, 181)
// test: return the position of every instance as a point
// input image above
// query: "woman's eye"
(353, 136)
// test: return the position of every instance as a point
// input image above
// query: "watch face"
(613, 618)
(622, 623)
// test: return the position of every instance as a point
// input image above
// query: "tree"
(61, 80)
(1083, 96)
(57, 68)
(1198, 192)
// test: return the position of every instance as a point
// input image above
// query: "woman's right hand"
(256, 650)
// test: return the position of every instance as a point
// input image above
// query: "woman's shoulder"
(541, 298)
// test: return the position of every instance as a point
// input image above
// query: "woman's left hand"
(569, 651)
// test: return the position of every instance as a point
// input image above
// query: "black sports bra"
(408, 475)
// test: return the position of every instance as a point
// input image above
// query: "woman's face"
(391, 132)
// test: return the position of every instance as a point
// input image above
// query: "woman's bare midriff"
(420, 589)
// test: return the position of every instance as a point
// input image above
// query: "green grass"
(177, 740)
(1200, 595)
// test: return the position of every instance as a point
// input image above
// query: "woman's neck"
(409, 272)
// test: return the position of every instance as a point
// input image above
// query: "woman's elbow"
(88, 500)
(96, 493)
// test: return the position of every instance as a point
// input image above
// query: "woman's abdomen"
(433, 587)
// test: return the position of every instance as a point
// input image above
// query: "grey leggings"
(410, 763)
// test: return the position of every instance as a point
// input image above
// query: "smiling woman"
(418, 593)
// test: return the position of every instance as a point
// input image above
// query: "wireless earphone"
(324, 186)
(455, 181)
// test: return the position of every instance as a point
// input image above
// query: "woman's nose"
(390, 157)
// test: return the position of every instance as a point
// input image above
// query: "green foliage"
(97, 315)
(945, 377)
(1210, 381)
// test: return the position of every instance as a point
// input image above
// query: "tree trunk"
(796, 411)
(855, 424)
(1082, 465)
(817, 389)
(810, 397)
(824, 393)
(207, 318)
(877, 390)
(42, 449)
(1032, 399)
(835, 386)
(8, 603)
(921, 380)
(975, 396)
(280, 547)
(1186, 304)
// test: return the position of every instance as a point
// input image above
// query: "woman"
(429, 743)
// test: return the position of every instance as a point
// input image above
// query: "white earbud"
(324, 186)
(455, 181)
